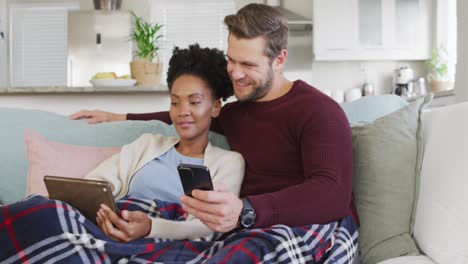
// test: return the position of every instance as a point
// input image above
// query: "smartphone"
(194, 177)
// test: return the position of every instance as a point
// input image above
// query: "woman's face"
(192, 107)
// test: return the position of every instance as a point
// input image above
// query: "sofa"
(410, 184)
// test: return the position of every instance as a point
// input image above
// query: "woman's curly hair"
(208, 64)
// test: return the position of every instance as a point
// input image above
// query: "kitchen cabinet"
(372, 29)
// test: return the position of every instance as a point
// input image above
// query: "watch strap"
(246, 204)
(247, 216)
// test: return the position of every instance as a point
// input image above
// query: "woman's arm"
(135, 224)
(168, 229)
(118, 168)
(108, 171)
(230, 171)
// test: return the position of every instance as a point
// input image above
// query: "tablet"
(83, 194)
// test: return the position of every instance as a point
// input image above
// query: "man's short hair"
(255, 20)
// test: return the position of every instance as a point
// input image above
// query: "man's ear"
(280, 61)
(216, 108)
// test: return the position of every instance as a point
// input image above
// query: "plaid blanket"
(38, 230)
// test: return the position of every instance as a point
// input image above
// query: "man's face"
(250, 69)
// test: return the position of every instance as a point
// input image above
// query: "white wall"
(461, 78)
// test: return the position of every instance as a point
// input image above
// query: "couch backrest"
(442, 209)
(13, 162)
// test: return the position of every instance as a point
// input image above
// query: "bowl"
(112, 82)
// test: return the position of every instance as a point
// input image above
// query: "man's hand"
(97, 116)
(219, 209)
(134, 225)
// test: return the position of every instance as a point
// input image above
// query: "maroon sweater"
(298, 154)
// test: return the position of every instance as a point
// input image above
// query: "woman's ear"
(216, 108)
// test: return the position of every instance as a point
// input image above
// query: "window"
(186, 23)
(38, 44)
(447, 30)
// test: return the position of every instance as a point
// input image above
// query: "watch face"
(248, 219)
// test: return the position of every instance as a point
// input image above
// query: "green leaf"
(147, 37)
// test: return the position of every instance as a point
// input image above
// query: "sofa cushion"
(53, 158)
(409, 260)
(442, 209)
(387, 156)
(13, 162)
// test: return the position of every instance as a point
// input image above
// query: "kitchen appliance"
(107, 4)
(420, 86)
(296, 22)
(403, 81)
(368, 89)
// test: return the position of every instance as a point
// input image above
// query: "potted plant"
(440, 75)
(146, 67)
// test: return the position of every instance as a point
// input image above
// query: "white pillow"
(409, 260)
(441, 223)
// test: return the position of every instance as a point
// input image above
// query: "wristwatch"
(247, 216)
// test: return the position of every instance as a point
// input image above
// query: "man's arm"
(98, 116)
(166, 118)
(161, 116)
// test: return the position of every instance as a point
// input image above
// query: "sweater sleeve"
(325, 194)
(168, 229)
(108, 171)
(117, 169)
(230, 172)
(161, 116)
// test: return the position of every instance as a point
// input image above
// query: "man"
(296, 141)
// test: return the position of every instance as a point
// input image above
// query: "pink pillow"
(53, 158)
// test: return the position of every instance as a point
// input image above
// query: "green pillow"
(387, 161)
(13, 162)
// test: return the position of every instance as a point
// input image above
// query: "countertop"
(85, 89)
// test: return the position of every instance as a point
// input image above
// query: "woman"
(147, 168)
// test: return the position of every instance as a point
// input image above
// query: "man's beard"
(260, 91)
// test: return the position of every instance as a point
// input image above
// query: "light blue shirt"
(159, 179)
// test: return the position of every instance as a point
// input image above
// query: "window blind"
(187, 22)
(38, 44)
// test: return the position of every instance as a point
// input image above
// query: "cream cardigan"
(225, 166)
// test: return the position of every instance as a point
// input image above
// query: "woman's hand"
(133, 224)
(219, 209)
